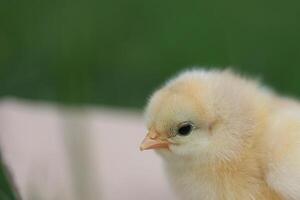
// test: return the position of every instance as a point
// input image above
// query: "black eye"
(185, 129)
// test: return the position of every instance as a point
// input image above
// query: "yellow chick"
(225, 137)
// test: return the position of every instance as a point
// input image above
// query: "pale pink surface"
(36, 138)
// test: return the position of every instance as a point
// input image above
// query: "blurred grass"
(7, 189)
(116, 52)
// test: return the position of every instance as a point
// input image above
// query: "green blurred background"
(115, 52)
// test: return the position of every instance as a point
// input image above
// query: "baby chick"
(225, 137)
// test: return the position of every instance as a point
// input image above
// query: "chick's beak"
(152, 141)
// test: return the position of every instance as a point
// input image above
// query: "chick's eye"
(185, 129)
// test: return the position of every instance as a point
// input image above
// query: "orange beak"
(152, 141)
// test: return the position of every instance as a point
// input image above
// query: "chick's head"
(202, 114)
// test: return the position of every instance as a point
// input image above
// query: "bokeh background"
(114, 53)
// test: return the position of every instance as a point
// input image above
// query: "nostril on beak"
(153, 134)
(153, 137)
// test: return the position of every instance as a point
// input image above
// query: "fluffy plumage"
(244, 141)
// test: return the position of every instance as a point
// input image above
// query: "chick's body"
(227, 138)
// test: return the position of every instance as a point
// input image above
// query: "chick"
(225, 137)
